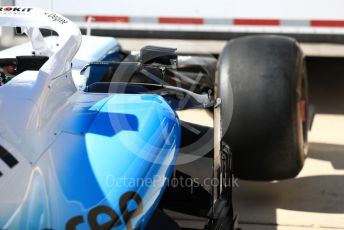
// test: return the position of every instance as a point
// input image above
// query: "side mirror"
(158, 55)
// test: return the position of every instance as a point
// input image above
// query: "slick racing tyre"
(263, 89)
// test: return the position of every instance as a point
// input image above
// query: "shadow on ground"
(326, 82)
(257, 202)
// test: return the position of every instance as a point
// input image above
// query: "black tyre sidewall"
(261, 116)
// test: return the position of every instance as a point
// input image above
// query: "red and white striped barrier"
(212, 21)
(195, 24)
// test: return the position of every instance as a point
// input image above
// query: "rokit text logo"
(14, 9)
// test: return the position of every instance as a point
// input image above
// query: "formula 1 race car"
(99, 152)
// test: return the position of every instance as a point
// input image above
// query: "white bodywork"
(41, 92)
(28, 104)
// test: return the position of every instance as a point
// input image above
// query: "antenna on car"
(89, 23)
(52, 9)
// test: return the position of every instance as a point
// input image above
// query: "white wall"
(279, 9)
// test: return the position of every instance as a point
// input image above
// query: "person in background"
(2, 81)
(7, 72)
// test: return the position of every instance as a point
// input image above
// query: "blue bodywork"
(107, 169)
(124, 158)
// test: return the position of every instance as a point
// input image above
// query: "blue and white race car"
(90, 136)
(93, 48)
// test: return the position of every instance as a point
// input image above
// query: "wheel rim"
(303, 104)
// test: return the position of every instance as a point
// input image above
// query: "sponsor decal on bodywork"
(56, 18)
(7, 158)
(114, 218)
(14, 10)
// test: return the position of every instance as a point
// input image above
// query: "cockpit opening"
(11, 67)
